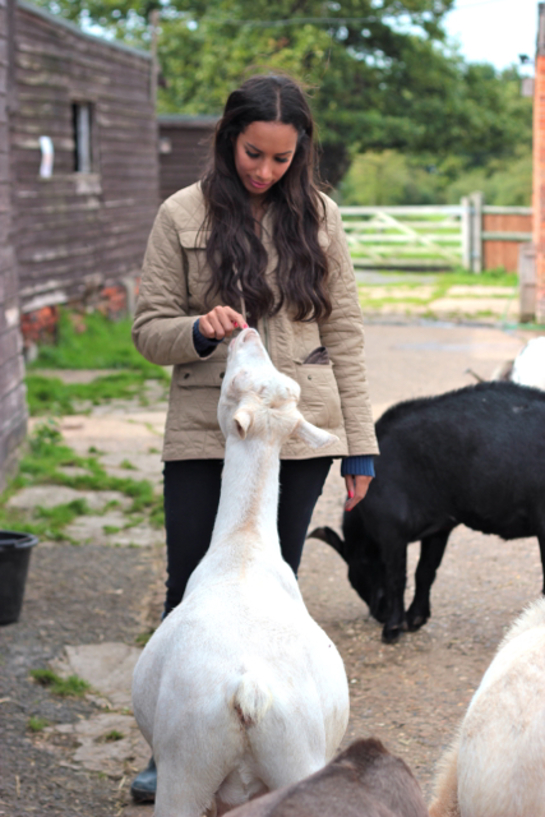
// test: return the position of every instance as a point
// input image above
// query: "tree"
(378, 72)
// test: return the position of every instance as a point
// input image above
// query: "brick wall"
(13, 415)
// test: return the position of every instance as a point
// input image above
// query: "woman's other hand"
(356, 488)
(221, 322)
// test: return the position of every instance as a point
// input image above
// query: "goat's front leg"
(394, 556)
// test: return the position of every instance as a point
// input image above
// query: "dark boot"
(144, 784)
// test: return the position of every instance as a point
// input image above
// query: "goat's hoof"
(416, 620)
(390, 635)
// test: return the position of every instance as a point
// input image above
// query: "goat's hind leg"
(180, 793)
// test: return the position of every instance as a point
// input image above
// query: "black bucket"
(15, 551)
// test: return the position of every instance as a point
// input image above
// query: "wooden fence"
(413, 237)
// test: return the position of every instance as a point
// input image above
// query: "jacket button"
(309, 377)
(186, 375)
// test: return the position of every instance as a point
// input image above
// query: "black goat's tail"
(330, 537)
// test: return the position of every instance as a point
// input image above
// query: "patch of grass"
(41, 465)
(143, 638)
(73, 686)
(108, 529)
(114, 735)
(128, 465)
(36, 724)
(50, 396)
(94, 342)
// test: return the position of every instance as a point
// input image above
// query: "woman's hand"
(356, 488)
(221, 322)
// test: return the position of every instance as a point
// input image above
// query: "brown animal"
(363, 781)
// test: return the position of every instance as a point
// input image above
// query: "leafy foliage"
(379, 72)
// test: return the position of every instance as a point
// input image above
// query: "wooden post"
(527, 283)
(476, 201)
(466, 232)
(539, 167)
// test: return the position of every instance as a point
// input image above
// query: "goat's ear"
(312, 435)
(243, 420)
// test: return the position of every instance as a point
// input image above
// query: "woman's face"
(263, 153)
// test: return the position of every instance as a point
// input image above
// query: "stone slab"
(90, 529)
(48, 496)
(108, 667)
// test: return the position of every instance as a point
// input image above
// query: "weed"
(110, 529)
(114, 735)
(72, 686)
(128, 465)
(37, 724)
(143, 638)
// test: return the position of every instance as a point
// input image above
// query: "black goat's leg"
(432, 549)
(395, 566)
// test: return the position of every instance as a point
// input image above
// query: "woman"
(253, 243)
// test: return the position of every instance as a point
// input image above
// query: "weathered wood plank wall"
(184, 144)
(80, 230)
(503, 253)
(13, 416)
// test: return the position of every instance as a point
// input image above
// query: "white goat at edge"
(239, 691)
(496, 766)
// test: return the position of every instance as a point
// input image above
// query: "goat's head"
(259, 401)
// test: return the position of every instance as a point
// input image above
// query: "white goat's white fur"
(496, 766)
(529, 364)
(239, 691)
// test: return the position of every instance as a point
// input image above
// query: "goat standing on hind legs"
(239, 691)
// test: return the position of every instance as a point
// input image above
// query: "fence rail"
(470, 234)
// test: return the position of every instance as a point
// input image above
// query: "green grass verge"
(94, 342)
(50, 396)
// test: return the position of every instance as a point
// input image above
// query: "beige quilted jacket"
(174, 282)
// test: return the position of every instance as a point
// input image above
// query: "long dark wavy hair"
(234, 252)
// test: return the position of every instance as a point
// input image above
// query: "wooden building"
(184, 145)
(13, 415)
(84, 155)
(79, 182)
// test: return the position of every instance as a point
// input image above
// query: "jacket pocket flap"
(201, 373)
(193, 239)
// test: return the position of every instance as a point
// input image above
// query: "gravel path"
(411, 695)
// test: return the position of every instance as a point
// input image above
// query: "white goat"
(239, 691)
(529, 364)
(496, 766)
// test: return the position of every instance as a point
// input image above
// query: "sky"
(495, 31)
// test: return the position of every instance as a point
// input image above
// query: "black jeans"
(191, 492)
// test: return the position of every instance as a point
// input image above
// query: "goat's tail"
(252, 700)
